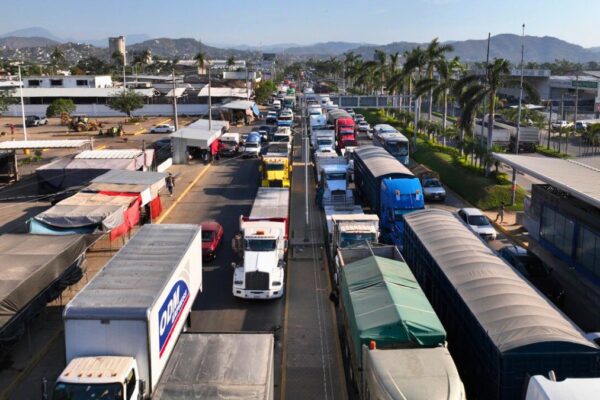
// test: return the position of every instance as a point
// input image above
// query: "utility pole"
(576, 109)
(487, 61)
(22, 103)
(247, 88)
(514, 174)
(549, 126)
(175, 120)
(209, 102)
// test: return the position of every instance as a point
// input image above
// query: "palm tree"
(231, 61)
(57, 59)
(380, 59)
(200, 59)
(416, 61)
(117, 57)
(434, 53)
(472, 89)
(440, 88)
(350, 62)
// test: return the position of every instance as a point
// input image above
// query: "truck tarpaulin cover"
(219, 366)
(385, 303)
(92, 210)
(35, 270)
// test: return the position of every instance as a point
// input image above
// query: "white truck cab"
(335, 179)
(100, 377)
(262, 245)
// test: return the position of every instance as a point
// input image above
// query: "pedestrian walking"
(500, 213)
(170, 182)
(12, 129)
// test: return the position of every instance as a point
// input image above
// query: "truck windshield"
(349, 239)
(251, 145)
(260, 244)
(336, 176)
(72, 391)
(281, 138)
(274, 167)
(324, 142)
(397, 148)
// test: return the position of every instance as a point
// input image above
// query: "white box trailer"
(270, 203)
(216, 366)
(122, 327)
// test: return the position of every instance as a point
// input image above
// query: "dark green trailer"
(501, 330)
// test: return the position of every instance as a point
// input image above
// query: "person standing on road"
(170, 182)
(500, 213)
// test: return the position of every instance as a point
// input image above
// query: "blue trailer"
(501, 329)
(388, 187)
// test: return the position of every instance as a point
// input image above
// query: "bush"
(550, 152)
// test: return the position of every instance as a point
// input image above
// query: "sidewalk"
(510, 227)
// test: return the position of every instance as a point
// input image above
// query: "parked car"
(478, 222)
(536, 272)
(561, 124)
(433, 189)
(252, 147)
(358, 118)
(212, 234)
(163, 128)
(271, 118)
(34, 120)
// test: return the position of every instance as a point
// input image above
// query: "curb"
(510, 235)
(135, 133)
(33, 362)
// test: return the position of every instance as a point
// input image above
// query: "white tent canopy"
(197, 134)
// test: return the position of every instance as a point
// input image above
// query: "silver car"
(433, 189)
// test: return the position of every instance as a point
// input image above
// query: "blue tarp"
(39, 228)
(255, 110)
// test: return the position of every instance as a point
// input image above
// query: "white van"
(277, 105)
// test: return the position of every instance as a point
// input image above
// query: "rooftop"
(579, 177)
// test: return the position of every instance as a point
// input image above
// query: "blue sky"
(309, 21)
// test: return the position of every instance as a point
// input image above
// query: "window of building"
(588, 250)
(82, 82)
(34, 82)
(557, 230)
(56, 82)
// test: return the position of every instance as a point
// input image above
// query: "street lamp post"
(175, 118)
(514, 174)
(209, 103)
(22, 103)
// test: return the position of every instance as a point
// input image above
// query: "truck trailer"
(394, 344)
(262, 244)
(501, 329)
(215, 366)
(121, 329)
(388, 187)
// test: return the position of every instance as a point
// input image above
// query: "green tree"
(6, 99)
(264, 91)
(200, 59)
(117, 58)
(59, 106)
(433, 54)
(126, 102)
(471, 90)
(57, 59)
(231, 61)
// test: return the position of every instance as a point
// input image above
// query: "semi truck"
(289, 102)
(213, 366)
(529, 136)
(334, 184)
(121, 329)
(262, 245)
(275, 171)
(344, 127)
(500, 136)
(348, 226)
(501, 329)
(394, 344)
(323, 138)
(388, 188)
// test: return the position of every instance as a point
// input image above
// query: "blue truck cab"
(398, 197)
(389, 188)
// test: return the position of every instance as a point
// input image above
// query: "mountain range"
(539, 49)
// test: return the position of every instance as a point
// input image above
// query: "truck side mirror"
(142, 387)
(44, 389)
(233, 265)
(236, 244)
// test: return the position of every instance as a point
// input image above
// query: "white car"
(163, 128)
(364, 127)
(478, 222)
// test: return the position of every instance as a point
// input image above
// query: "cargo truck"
(388, 188)
(529, 136)
(344, 127)
(394, 344)
(501, 330)
(348, 226)
(500, 136)
(214, 366)
(289, 102)
(323, 138)
(262, 245)
(334, 185)
(275, 171)
(395, 143)
(121, 329)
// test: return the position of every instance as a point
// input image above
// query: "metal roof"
(43, 144)
(579, 177)
(223, 92)
(239, 104)
(133, 280)
(509, 309)
(110, 154)
(125, 177)
(79, 92)
(380, 162)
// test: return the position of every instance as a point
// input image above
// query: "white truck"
(335, 181)
(500, 136)
(348, 226)
(121, 329)
(323, 141)
(323, 159)
(262, 244)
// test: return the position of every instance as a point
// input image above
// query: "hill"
(13, 43)
(185, 48)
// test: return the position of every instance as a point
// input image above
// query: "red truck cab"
(344, 130)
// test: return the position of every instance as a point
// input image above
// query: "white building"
(71, 81)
